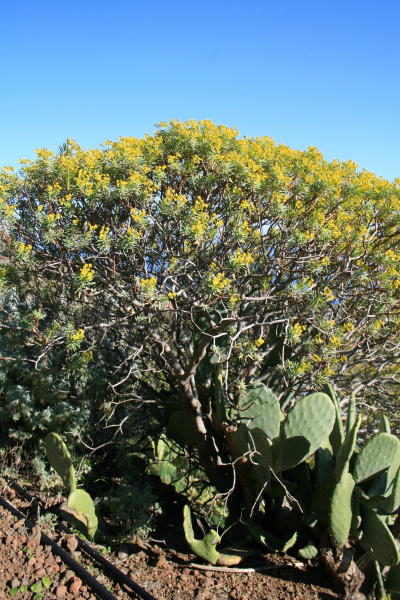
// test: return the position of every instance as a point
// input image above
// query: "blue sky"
(318, 73)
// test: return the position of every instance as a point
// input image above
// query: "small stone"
(15, 583)
(40, 572)
(68, 575)
(71, 543)
(75, 585)
(19, 524)
(61, 591)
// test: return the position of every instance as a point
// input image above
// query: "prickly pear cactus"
(381, 452)
(81, 503)
(60, 459)
(341, 510)
(305, 429)
(260, 408)
(346, 450)
(205, 548)
(337, 435)
(377, 538)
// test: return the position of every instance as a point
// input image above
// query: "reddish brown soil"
(162, 571)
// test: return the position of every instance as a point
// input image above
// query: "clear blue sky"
(317, 73)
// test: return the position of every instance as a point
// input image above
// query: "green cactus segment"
(270, 541)
(377, 538)
(392, 582)
(60, 459)
(393, 501)
(261, 407)
(384, 425)
(205, 548)
(347, 449)
(341, 512)
(264, 446)
(390, 502)
(381, 452)
(305, 429)
(162, 465)
(308, 552)
(337, 435)
(83, 509)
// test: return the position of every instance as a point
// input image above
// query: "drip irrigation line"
(99, 589)
(85, 547)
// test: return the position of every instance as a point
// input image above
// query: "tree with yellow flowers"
(193, 262)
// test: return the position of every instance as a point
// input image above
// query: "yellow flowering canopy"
(194, 245)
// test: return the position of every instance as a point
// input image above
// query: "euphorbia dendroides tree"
(193, 262)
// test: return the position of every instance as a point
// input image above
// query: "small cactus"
(205, 548)
(308, 552)
(82, 505)
(61, 461)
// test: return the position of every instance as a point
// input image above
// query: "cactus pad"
(82, 508)
(340, 511)
(381, 452)
(346, 450)
(60, 459)
(205, 548)
(305, 429)
(337, 435)
(377, 538)
(261, 407)
(308, 552)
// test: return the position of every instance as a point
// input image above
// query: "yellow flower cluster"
(328, 294)
(87, 272)
(148, 284)
(103, 233)
(24, 249)
(78, 335)
(298, 329)
(220, 283)
(51, 217)
(242, 259)
(138, 216)
(259, 342)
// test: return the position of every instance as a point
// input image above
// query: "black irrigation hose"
(106, 564)
(99, 589)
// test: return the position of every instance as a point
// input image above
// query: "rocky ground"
(29, 570)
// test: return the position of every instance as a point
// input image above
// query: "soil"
(29, 570)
